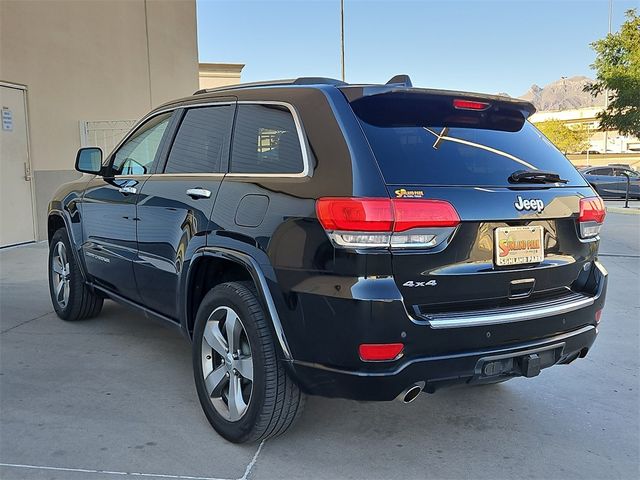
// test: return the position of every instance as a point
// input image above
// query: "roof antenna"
(400, 80)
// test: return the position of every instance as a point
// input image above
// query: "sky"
(483, 46)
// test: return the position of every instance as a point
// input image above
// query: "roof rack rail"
(292, 81)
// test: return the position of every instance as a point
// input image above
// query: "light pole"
(342, 37)
(606, 92)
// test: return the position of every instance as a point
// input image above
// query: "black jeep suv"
(316, 237)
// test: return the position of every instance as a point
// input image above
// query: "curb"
(625, 211)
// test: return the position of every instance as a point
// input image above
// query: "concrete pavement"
(618, 206)
(114, 396)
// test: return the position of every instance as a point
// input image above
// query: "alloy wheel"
(61, 274)
(227, 365)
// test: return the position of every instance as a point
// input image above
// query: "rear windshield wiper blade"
(535, 176)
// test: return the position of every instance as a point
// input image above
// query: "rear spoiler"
(399, 105)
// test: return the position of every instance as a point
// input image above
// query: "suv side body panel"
(109, 233)
(172, 224)
(288, 243)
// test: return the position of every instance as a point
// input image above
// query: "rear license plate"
(519, 245)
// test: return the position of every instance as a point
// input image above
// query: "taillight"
(410, 214)
(351, 214)
(592, 213)
(385, 222)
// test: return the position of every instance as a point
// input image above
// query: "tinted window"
(434, 155)
(600, 171)
(137, 155)
(201, 144)
(622, 172)
(265, 140)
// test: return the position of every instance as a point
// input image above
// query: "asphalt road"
(113, 397)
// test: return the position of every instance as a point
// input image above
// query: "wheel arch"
(211, 266)
(56, 220)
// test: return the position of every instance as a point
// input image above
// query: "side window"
(620, 172)
(137, 154)
(601, 171)
(202, 142)
(265, 140)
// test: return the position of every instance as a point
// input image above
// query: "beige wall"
(214, 75)
(87, 60)
(92, 60)
(583, 160)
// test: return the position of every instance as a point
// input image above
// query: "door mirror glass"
(89, 160)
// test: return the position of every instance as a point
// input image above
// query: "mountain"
(563, 94)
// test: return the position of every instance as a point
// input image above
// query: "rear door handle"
(196, 193)
(128, 190)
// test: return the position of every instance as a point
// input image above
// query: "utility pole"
(342, 37)
(606, 92)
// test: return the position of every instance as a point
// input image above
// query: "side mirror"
(89, 160)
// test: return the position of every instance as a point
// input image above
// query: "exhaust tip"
(411, 393)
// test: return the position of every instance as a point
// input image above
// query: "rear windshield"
(435, 155)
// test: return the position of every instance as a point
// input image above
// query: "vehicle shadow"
(524, 427)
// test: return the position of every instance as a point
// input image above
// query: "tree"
(617, 67)
(565, 138)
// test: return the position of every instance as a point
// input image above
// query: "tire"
(264, 405)
(74, 300)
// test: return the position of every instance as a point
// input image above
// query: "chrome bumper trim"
(476, 319)
(559, 306)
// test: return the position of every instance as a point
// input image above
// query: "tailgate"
(463, 272)
(517, 197)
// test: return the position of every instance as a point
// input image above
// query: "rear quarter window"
(266, 141)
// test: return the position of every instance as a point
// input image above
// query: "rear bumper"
(386, 380)
(435, 372)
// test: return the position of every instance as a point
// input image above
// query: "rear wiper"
(535, 176)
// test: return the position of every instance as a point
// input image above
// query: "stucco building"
(80, 72)
(214, 75)
(588, 118)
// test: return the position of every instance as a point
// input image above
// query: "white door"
(17, 223)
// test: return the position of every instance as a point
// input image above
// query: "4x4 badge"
(411, 283)
(533, 204)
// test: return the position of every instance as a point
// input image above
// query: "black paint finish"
(145, 247)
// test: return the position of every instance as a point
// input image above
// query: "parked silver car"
(611, 181)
